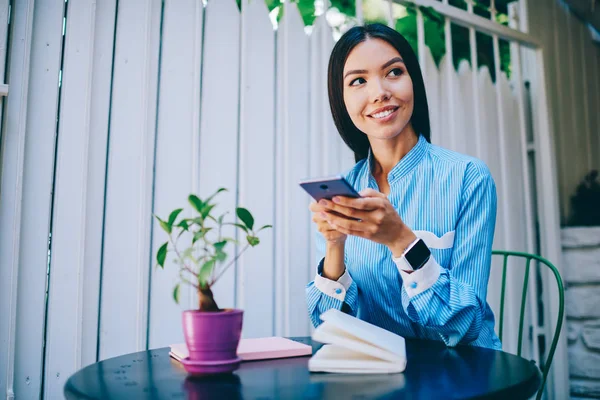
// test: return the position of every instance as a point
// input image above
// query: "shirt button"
(413, 285)
(338, 291)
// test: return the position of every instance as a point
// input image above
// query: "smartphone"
(327, 188)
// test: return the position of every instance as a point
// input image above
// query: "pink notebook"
(257, 349)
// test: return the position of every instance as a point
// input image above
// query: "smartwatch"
(415, 256)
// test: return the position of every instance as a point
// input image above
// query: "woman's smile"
(384, 114)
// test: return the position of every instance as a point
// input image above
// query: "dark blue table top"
(433, 372)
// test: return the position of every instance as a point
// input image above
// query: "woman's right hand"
(331, 235)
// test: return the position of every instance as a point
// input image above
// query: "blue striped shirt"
(449, 200)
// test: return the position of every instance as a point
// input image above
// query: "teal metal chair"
(528, 257)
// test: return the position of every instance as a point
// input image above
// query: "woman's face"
(378, 91)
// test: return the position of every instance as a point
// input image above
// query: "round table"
(433, 371)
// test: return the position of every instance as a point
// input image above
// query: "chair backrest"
(528, 257)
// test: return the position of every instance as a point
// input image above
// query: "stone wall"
(581, 273)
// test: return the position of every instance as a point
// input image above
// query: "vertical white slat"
(389, 11)
(257, 167)
(450, 132)
(317, 101)
(504, 198)
(197, 112)
(12, 148)
(38, 171)
(128, 212)
(514, 200)
(279, 228)
(450, 119)
(65, 319)
(177, 138)
(219, 122)
(433, 88)
(549, 218)
(294, 217)
(464, 122)
(489, 146)
(318, 94)
(518, 82)
(359, 11)
(3, 51)
(97, 146)
(340, 155)
(477, 132)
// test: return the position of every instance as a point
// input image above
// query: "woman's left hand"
(378, 220)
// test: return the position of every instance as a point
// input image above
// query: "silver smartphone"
(327, 188)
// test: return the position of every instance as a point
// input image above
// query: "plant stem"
(187, 281)
(206, 301)
(184, 266)
(229, 265)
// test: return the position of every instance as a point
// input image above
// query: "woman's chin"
(385, 134)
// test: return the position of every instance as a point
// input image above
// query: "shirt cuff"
(336, 289)
(421, 279)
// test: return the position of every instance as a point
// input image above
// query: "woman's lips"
(385, 115)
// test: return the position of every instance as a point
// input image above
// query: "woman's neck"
(387, 153)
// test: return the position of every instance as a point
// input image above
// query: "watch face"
(418, 254)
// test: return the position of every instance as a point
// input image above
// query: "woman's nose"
(379, 92)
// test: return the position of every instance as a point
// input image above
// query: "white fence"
(162, 99)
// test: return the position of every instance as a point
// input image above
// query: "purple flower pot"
(212, 340)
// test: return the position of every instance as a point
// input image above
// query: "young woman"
(413, 254)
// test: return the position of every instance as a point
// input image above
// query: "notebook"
(256, 349)
(356, 346)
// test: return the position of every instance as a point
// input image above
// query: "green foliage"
(202, 262)
(584, 203)
(434, 28)
(176, 293)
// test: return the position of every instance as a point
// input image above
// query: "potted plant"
(211, 334)
(581, 272)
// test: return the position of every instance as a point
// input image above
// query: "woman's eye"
(395, 72)
(357, 81)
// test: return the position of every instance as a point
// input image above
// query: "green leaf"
(197, 221)
(253, 240)
(205, 272)
(264, 227)
(187, 253)
(228, 239)
(239, 226)
(220, 220)
(214, 194)
(184, 224)
(200, 234)
(220, 245)
(195, 202)
(161, 255)
(174, 215)
(221, 256)
(163, 224)
(245, 216)
(207, 209)
(176, 294)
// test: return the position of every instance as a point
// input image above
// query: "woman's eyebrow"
(384, 66)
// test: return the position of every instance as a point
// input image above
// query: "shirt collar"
(406, 163)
